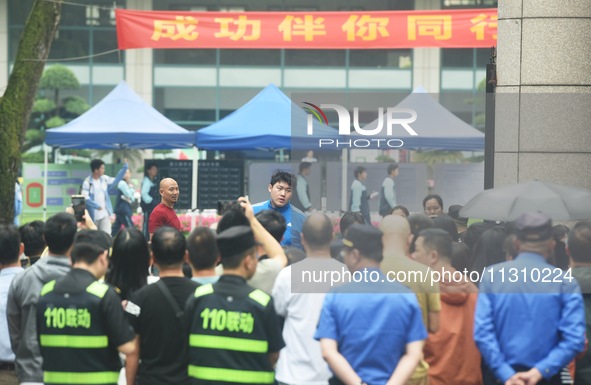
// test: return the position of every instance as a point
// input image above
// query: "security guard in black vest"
(234, 330)
(80, 322)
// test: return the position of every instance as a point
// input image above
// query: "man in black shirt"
(234, 330)
(81, 325)
(155, 312)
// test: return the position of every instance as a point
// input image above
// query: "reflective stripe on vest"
(231, 375)
(228, 343)
(203, 290)
(260, 297)
(80, 378)
(48, 287)
(70, 341)
(97, 288)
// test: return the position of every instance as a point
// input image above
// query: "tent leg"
(344, 163)
(46, 160)
(195, 176)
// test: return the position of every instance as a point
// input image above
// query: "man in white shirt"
(96, 188)
(300, 302)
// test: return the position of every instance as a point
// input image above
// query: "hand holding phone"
(79, 206)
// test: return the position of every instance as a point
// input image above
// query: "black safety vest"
(72, 336)
(228, 338)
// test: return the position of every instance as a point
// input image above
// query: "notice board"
(219, 180)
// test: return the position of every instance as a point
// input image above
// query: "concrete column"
(426, 69)
(3, 45)
(544, 92)
(139, 62)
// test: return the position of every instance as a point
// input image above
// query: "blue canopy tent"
(270, 120)
(436, 127)
(120, 120)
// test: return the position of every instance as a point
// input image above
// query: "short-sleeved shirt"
(372, 323)
(163, 348)
(163, 215)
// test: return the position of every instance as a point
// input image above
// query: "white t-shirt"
(99, 199)
(300, 361)
(263, 278)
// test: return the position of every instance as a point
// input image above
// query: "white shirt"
(6, 276)
(99, 199)
(300, 361)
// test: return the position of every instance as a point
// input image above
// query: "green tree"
(52, 112)
(57, 78)
(17, 101)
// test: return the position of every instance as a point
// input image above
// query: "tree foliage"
(17, 102)
(57, 78)
(48, 113)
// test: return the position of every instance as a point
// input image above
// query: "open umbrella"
(508, 203)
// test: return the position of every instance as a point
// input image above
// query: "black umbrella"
(507, 203)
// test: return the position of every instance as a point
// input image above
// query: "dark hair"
(560, 257)
(149, 165)
(473, 233)
(203, 248)
(59, 232)
(304, 165)
(348, 219)
(418, 222)
(461, 257)
(273, 222)
(579, 242)
(438, 240)
(317, 231)
(401, 208)
(283, 176)
(489, 248)
(445, 222)
(359, 170)
(32, 237)
(86, 252)
(233, 261)
(509, 246)
(104, 240)
(168, 246)
(130, 260)
(232, 217)
(433, 196)
(392, 167)
(10, 242)
(95, 164)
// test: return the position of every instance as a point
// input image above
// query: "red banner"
(471, 28)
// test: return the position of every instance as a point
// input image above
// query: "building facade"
(196, 87)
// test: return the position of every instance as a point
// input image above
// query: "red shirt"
(163, 215)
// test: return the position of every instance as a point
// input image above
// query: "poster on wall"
(63, 180)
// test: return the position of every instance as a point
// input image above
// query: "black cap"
(533, 227)
(365, 238)
(454, 212)
(235, 240)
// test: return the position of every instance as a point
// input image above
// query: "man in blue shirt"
(530, 319)
(370, 331)
(281, 188)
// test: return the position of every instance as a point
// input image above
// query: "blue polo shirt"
(528, 322)
(372, 323)
(294, 219)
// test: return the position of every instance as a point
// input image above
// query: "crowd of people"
(230, 304)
